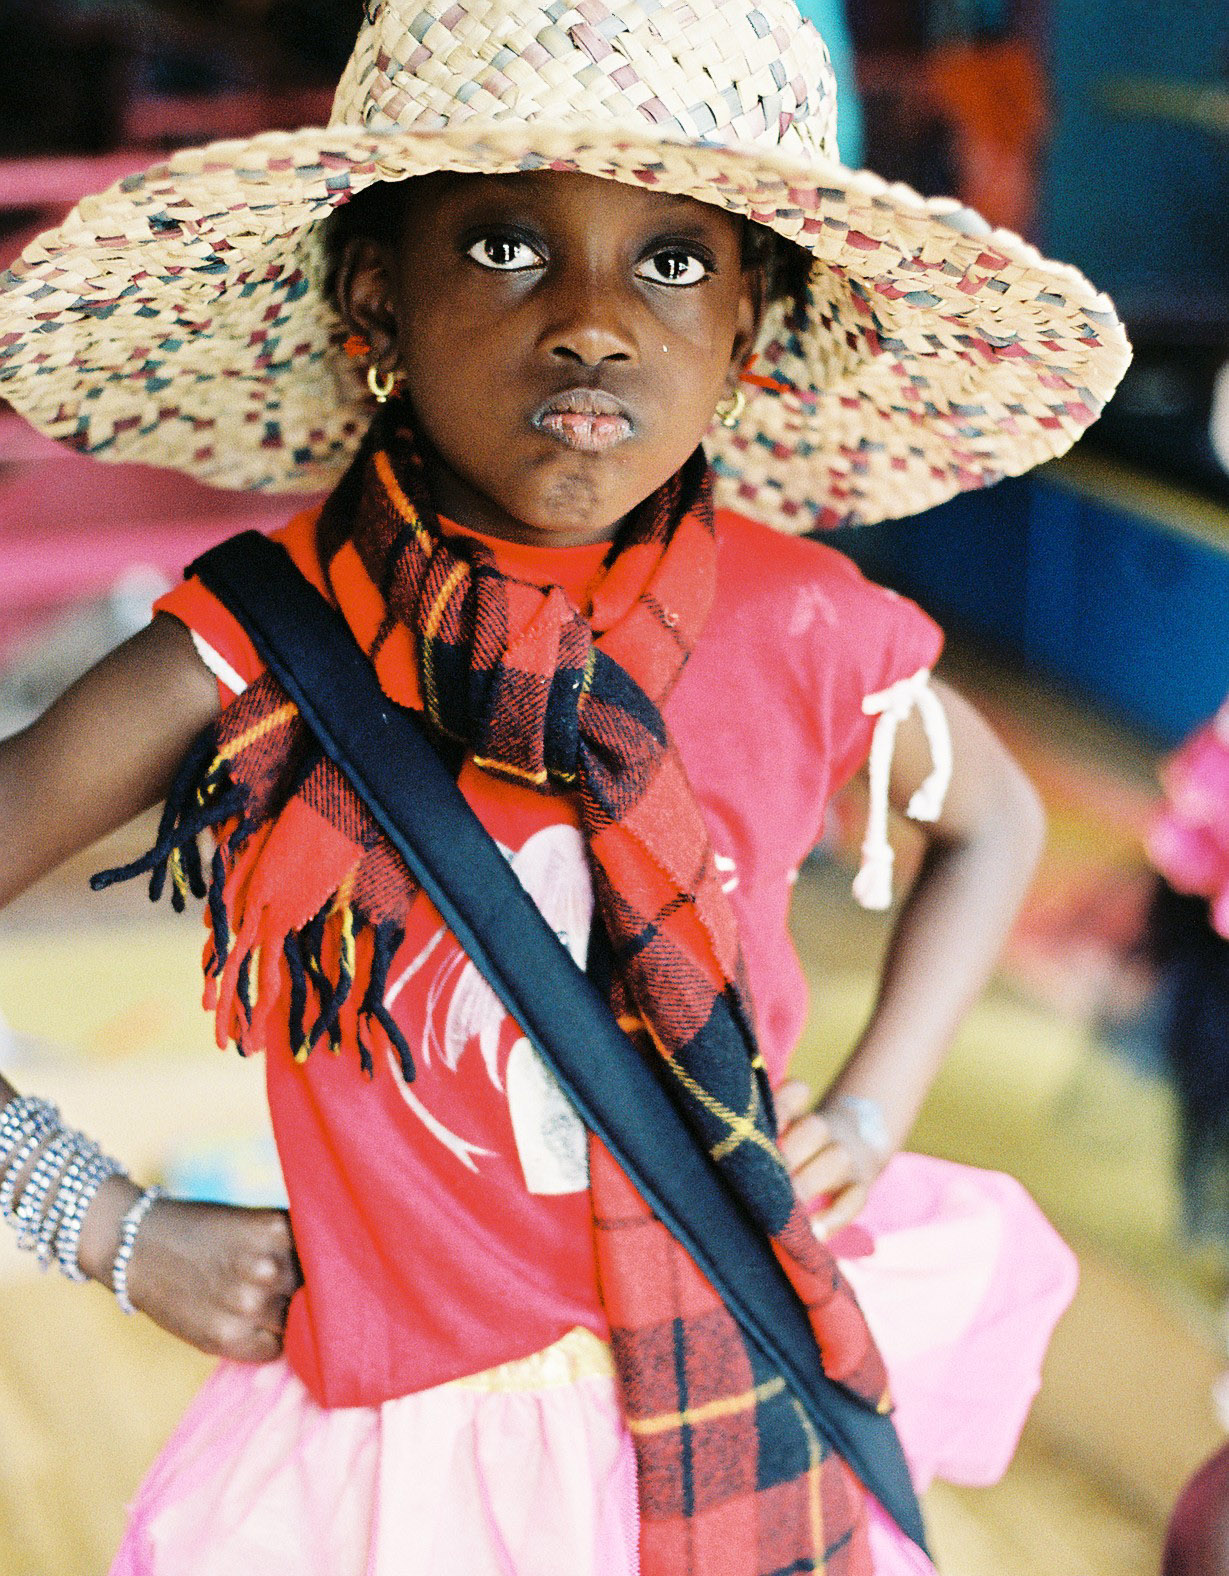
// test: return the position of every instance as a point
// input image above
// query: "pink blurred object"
(70, 527)
(61, 180)
(1189, 840)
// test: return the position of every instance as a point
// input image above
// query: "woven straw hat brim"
(178, 319)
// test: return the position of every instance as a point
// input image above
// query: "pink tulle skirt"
(528, 1470)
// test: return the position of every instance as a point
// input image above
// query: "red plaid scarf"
(308, 906)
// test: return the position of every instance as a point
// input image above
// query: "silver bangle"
(40, 1126)
(93, 1174)
(31, 1206)
(127, 1242)
(48, 1206)
(84, 1150)
(18, 1115)
(868, 1120)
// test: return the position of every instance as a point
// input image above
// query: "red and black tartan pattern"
(308, 905)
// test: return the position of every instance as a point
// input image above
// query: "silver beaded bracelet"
(49, 1177)
(84, 1150)
(127, 1242)
(40, 1123)
(48, 1169)
(16, 1117)
(96, 1170)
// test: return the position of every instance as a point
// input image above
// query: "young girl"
(570, 245)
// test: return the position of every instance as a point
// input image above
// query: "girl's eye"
(505, 253)
(674, 266)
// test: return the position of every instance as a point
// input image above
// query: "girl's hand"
(217, 1276)
(830, 1164)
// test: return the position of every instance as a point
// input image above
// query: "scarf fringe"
(200, 798)
(323, 983)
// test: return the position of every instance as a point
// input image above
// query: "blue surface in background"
(1129, 614)
(829, 17)
(1138, 203)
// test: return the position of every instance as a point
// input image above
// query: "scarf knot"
(506, 667)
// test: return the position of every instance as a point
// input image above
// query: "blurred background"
(1088, 609)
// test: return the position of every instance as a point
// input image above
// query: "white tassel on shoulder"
(873, 884)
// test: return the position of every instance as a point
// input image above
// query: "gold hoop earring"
(380, 383)
(727, 411)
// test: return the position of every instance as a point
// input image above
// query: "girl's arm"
(979, 860)
(106, 750)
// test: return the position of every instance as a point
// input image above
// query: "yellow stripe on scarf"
(727, 1406)
(430, 629)
(258, 730)
(399, 501)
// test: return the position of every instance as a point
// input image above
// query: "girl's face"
(563, 340)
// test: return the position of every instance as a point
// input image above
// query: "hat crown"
(720, 71)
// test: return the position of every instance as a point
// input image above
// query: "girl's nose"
(591, 324)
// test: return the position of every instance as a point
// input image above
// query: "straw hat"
(179, 319)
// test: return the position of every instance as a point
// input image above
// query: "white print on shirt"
(727, 869)
(460, 1147)
(550, 1138)
(811, 603)
(551, 1141)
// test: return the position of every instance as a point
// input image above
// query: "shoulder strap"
(383, 750)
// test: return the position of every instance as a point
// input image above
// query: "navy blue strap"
(394, 768)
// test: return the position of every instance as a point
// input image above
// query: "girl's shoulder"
(815, 609)
(221, 641)
(746, 540)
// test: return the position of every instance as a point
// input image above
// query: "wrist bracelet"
(84, 1150)
(17, 1116)
(31, 1205)
(40, 1125)
(49, 1176)
(127, 1242)
(868, 1119)
(97, 1169)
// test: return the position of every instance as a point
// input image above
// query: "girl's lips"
(589, 434)
(589, 421)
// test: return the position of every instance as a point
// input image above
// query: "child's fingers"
(258, 1305)
(241, 1341)
(793, 1099)
(218, 1276)
(842, 1209)
(824, 1175)
(804, 1138)
(268, 1279)
(274, 1264)
(263, 1346)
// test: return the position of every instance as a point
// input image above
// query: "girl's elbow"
(1020, 817)
(998, 815)
(1035, 819)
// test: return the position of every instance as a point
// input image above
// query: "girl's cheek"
(699, 366)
